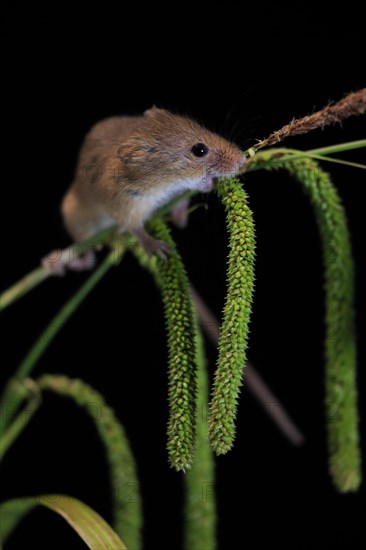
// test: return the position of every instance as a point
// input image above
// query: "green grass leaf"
(127, 501)
(89, 525)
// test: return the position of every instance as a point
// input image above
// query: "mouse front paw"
(179, 213)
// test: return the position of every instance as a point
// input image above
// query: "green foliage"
(340, 344)
(124, 482)
(11, 513)
(235, 325)
(89, 525)
(182, 354)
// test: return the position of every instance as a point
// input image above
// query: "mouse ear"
(154, 111)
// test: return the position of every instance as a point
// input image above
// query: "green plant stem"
(90, 526)
(339, 147)
(35, 277)
(22, 286)
(296, 155)
(335, 161)
(328, 150)
(340, 345)
(277, 155)
(20, 421)
(200, 502)
(182, 370)
(235, 324)
(127, 503)
(10, 400)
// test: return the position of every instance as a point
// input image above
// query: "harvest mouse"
(131, 165)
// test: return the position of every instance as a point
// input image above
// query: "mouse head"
(170, 147)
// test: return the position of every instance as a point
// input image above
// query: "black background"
(243, 74)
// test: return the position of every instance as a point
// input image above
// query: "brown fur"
(129, 166)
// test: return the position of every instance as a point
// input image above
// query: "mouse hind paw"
(56, 264)
(152, 245)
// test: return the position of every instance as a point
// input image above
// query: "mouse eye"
(199, 150)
